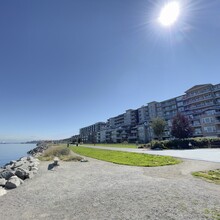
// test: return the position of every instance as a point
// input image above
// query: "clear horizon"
(68, 64)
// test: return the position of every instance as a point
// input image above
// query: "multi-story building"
(91, 133)
(201, 104)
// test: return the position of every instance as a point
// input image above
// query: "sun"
(169, 14)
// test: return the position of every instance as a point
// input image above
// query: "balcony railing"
(197, 94)
(132, 137)
(217, 122)
(217, 88)
(196, 125)
(200, 106)
(199, 100)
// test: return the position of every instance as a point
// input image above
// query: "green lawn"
(114, 145)
(211, 175)
(133, 159)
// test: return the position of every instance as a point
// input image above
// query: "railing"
(196, 125)
(198, 100)
(199, 106)
(197, 94)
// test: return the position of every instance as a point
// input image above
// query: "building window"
(197, 131)
(210, 112)
(207, 120)
(209, 129)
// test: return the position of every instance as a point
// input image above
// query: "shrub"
(157, 145)
(56, 151)
(189, 143)
(62, 152)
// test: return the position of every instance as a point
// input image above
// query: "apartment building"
(91, 133)
(201, 104)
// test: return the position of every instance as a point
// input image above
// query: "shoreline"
(9, 152)
(15, 172)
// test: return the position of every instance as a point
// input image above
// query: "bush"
(189, 143)
(56, 151)
(62, 152)
(157, 145)
(179, 144)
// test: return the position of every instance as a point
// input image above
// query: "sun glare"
(169, 13)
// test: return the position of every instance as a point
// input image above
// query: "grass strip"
(114, 145)
(211, 175)
(213, 213)
(126, 158)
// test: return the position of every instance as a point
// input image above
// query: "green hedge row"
(190, 143)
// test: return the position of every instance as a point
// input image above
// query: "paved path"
(212, 155)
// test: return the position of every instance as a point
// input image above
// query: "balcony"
(199, 106)
(196, 125)
(217, 122)
(167, 104)
(198, 93)
(217, 114)
(198, 134)
(201, 99)
(132, 137)
(217, 88)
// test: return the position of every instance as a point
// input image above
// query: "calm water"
(10, 152)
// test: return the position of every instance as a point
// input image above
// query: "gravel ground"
(100, 190)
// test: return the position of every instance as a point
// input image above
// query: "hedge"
(190, 143)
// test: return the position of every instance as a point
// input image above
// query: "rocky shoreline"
(15, 172)
(37, 151)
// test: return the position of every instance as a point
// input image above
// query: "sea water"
(10, 152)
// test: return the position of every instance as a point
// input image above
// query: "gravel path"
(100, 190)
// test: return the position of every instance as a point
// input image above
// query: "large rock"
(30, 158)
(23, 159)
(33, 164)
(13, 182)
(8, 166)
(6, 174)
(20, 163)
(22, 173)
(2, 191)
(2, 182)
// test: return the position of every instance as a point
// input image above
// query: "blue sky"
(67, 64)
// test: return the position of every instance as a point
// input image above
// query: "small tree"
(181, 127)
(158, 126)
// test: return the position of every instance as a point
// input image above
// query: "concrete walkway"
(212, 155)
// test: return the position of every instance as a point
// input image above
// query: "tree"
(181, 127)
(158, 126)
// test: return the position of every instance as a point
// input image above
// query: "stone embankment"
(37, 151)
(14, 173)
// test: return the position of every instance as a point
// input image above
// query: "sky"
(66, 64)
